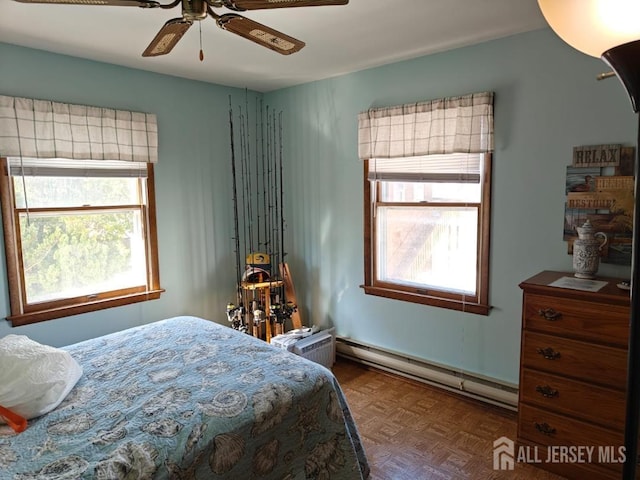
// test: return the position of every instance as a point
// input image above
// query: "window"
(427, 191)
(428, 238)
(78, 207)
(80, 236)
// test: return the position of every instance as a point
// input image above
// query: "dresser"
(573, 367)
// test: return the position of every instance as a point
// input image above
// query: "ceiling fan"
(197, 10)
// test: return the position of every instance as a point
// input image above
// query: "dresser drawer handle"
(549, 353)
(550, 314)
(547, 391)
(545, 428)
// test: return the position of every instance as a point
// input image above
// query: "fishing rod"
(288, 307)
(274, 186)
(268, 230)
(252, 301)
(275, 306)
(246, 174)
(276, 235)
(257, 179)
(264, 173)
(285, 309)
(281, 201)
(268, 243)
(235, 204)
(244, 190)
(247, 141)
(235, 312)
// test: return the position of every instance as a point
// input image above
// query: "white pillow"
(34, 378)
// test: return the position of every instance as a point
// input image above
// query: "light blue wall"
(547, 101)
(192, 183)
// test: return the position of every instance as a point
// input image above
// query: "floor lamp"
(610, 29)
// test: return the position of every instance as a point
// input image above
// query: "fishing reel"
(235, 316)
(282, 312)
(258, 315)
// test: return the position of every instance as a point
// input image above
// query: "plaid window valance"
(45, 129)
(461, 124)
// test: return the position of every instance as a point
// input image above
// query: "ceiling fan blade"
(241, 5)
(167, 37)
(260, 34)
(116, 3)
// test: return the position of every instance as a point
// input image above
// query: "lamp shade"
(593, 26)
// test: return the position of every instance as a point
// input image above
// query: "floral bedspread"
(186, 398)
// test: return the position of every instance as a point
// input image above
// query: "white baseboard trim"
(475, 386)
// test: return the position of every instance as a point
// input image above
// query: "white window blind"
(58, 167)
(46, 129)
(455, 168)
(461, 124)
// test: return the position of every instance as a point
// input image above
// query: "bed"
(186, 398)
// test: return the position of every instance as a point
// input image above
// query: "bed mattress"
(186, 398)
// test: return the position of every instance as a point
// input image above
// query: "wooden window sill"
(452, 304)
(52, 313)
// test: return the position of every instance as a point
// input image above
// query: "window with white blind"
(429, 236)
(79, 237)
(78, 208)
(427, 212)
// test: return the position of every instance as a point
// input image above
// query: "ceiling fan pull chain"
(201, 52)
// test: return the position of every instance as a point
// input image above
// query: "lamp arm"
(605, 75)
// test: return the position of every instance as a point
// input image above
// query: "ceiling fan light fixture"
(194, 10)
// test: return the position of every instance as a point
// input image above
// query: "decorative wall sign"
(596, 156)
(581, 179)
(601, 191)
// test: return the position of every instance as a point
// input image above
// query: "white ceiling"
(339, 39)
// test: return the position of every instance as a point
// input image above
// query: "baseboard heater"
(470, 385)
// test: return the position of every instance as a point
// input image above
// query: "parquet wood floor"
(413, 431)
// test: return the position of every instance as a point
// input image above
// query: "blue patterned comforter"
(185, 398)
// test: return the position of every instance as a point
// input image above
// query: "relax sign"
(596, 156)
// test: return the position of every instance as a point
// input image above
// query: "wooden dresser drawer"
(576, 318)
(573, 373)
(547, 428)
(600, 405)
(579, 360)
